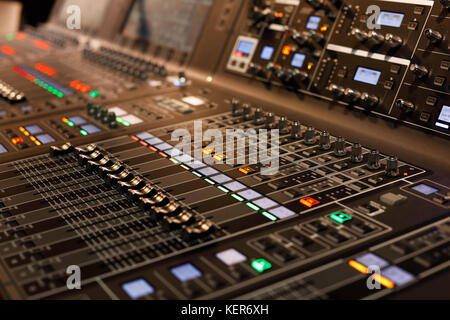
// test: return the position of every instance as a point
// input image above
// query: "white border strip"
(367, 54)
(418, 2)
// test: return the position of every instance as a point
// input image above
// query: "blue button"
(186, 272)
(370, 259)
(137, 288)
(397, 275)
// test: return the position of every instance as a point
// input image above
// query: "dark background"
(36, 12)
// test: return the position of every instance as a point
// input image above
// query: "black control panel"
(116, 156)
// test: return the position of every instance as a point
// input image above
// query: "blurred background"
(14, 14)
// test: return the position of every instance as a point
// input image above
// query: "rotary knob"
(339, 147)
(393, 41)
(336, 90)
(247, 112)
(445, 3)
(375, 37)
(392, 167)
(359, 34)
(406, 106)
(258, 117)
(236, 108)
(370, 101)
(283, 125)
(296, 131)
(352, 95)
(419, 71)
(433, 36)
(356, 154)
(310, 136)
(270, 119)
(373, 160)
(325, 141)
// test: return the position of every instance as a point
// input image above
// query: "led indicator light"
(238, 198)
(84, 132)
(309, 202)
(261, 265)
(269, 216)
(340, 217)
(254, 207)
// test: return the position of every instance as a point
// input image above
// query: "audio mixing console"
(115, 154)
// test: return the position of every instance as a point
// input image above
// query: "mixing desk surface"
(233, 149)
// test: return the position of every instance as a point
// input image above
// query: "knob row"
(377, 38)
(11, 94)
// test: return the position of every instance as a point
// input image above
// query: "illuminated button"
(91, 128)
(309, 202)
(397, 275)
(132, 119)
(370, 259)
(265, 203)
(33, 129)
(235, 186)
(249, 194)
(286, 50)
(144, 136)
(221, 178)
(282, 212)
(186, 272)
(77, 120)
(16, 140)
(163, 146)
(182, 158)
(195, 164)
(247, 170)
(3, 149)
(208, 171)
(425, 189)
(137, 288)
(154, 141)
(45, 138)
(261, 265)
(340, 217)
(231, 257)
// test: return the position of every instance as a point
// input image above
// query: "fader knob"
(375, 37)
(393, 41)
(359, 34)
(325, 141)
(296, 131)
(405, 105)
(373, 160)
(283, 125)
(247, 112)
(433, 36)
(310, 136)
(356, 155)
(339, 147)
(419, 71)
(64, 149)
(392, 167)
(258, 117)
(236, 108)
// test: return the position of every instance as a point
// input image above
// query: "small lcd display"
(313, 23)
(186, 272)
(137, 288)
(424, 189)
(45, 138)
(445, 114)
(390, 19)
(3, 149)
(366, 75)
(77, 120)
(90, 128)
(298, 60)
(245, 48)
(267, 53)
(33, 129)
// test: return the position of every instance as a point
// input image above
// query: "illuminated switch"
(340, 217)
(261, 265)
(3, 149)
(309, 202)
(247, 170)
(370, 259)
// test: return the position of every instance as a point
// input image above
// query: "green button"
(340, 217)
(261, 265)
